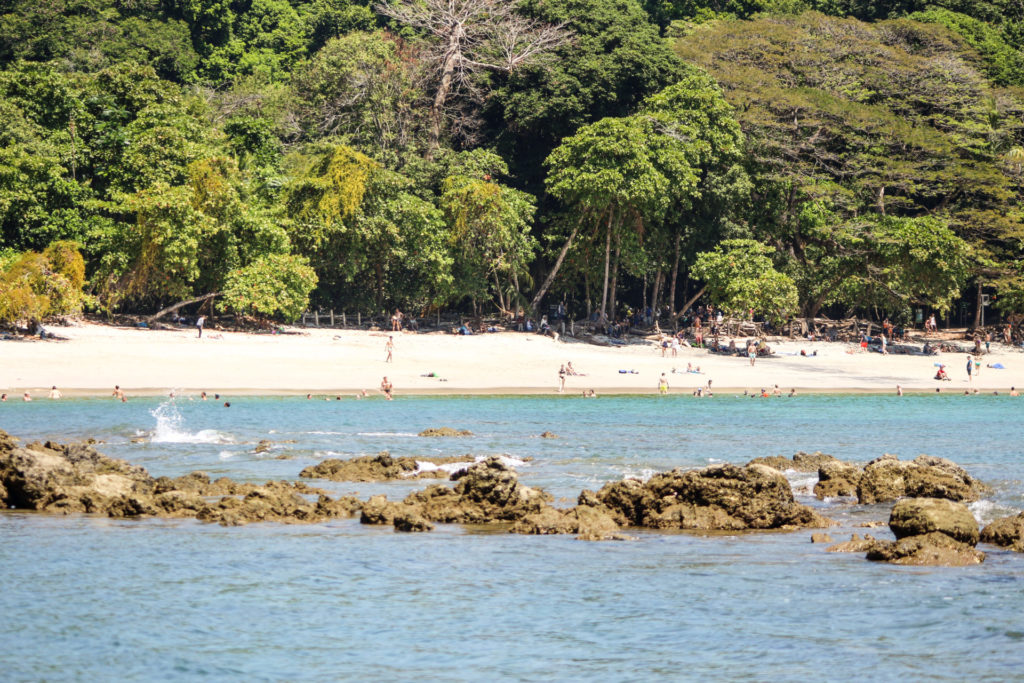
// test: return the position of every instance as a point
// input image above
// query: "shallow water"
(90, 598)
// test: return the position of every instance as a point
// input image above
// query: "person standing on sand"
(970, 368)
(561, 379)
(200, 321)
(389, 347)
(751, 353)
(663, 385)
(386, 387)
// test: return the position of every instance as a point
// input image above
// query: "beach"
(92, 358)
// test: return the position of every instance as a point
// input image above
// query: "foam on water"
(986, 511)
(453, 467)
(170, 428)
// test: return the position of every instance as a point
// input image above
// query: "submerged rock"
(721, 497)
(801, 462)
(548, 435)
(889, 478)
(76, 478)
(1006, 532)
(856, 544)
(445, 431)
(587, 522)
(380, 467)
(935, 549)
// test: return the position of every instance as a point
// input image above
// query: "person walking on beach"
(200, 321)
(561, 379)
(389, 347)
(386, 387)
(970, 368)
(663, 385)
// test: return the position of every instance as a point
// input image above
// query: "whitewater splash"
(170, 428)
(453, 467)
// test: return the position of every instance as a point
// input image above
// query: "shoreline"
(93, 358)
(39, 393)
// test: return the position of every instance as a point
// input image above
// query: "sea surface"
(93, 599)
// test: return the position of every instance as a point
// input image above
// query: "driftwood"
(170, 309)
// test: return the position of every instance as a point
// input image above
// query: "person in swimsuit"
(386, 387)
(389, 347)
(663, 384)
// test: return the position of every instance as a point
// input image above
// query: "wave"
(453, 467)
(170, 428)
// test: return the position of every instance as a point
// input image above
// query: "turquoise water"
(88, 598)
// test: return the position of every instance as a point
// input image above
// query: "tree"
(622, 173)
(275, 284)
(470, 37)
(740, 277)
(36, 285)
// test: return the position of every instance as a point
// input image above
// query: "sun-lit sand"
(96, 357)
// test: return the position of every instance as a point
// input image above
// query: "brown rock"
(548, 435)
(920, 516)
(380, 467)
(588, 523)
(837, 479)
(410, 520)
(445, 431)
(856, 544)
(821, 538)
(1006, 532)
(888, 478)
(488, 491)
(263, 446)
(933, 550)
(380, 510)
(801, 462)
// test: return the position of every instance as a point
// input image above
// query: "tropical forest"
(784, 159)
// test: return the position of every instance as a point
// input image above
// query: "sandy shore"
(324, 361)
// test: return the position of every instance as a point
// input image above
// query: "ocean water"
(89, 598)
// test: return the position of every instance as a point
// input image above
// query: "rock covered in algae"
(889, 478)
(920, 516)
(445, 431)
(801, 462)
(76, 478)
(1006, 532)
(380, 467)
(720, 497)
(931, 550)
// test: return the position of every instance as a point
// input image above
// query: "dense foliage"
(791, 156)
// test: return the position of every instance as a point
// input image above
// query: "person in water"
(386, 387)
(55, 392)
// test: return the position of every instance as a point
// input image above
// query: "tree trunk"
(675, 275)
(658, 277)
(690, 302)
(607, 263)
(451, 60)
(554, 269)
(615, 280)
(164, 311)
(977, 309)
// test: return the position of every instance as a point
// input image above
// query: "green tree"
(275, 284)
(740, 277)
(36, 285)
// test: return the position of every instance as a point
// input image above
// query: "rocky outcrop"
(548, 435)
(488, 491)
(920, 516)
(930, 532)
(721, 497)
(837, 479)
(932, 550)
(445, 431)
(587, 522)
(801, 462)
(380, 467)
(411, 521)
(856, 544)
(76, 478)
(889, 478)
(1006, 532)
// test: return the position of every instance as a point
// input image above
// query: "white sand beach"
(94, 358)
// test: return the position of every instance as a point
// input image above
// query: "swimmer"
(792, 392)
(227, 404)
(203, 395)
(118, 392)
(3, 398)
(899, 390)
(309, 396)
(1013, 391)
(55, 392)
(25, 397)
